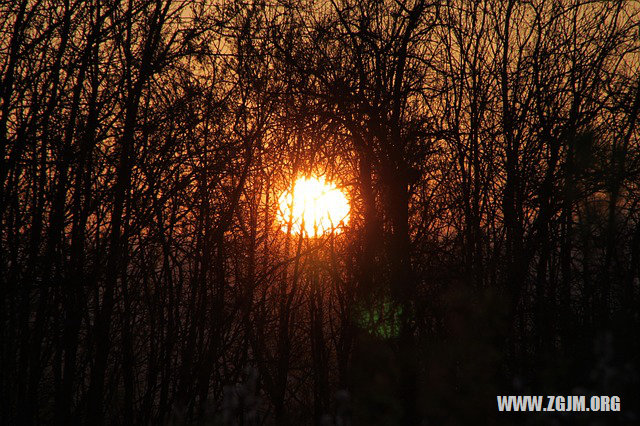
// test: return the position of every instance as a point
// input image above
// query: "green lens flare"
(381, 319)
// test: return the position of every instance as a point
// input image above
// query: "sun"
(314, 207)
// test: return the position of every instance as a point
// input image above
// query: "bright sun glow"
(314, 206)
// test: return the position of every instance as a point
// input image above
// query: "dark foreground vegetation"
(491, 153)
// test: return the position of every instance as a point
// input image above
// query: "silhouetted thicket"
(491, 153)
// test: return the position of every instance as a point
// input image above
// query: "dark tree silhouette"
(152, 274)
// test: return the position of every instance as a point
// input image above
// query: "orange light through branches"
(314, 207)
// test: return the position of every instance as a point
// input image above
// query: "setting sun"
(313, 206)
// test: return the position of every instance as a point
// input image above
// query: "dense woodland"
(490, 151)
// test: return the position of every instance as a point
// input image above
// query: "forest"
(154, 268)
